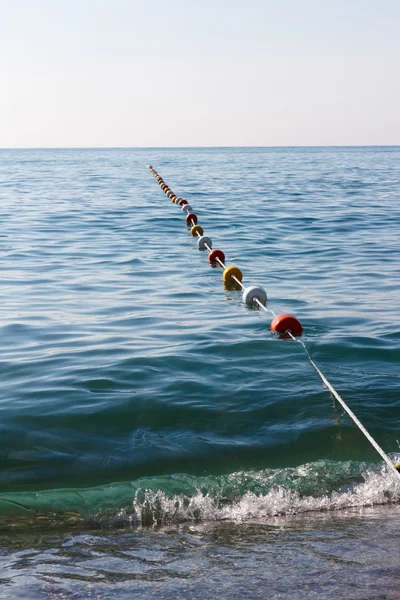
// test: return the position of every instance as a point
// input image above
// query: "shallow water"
(136, 391)
(353, 554)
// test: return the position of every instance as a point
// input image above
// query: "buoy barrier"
(287, 326)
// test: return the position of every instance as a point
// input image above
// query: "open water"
(156, 439)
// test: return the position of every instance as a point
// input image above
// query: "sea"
(157, 440)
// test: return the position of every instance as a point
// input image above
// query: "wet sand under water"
(348, 554)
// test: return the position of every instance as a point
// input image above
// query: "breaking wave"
(240, 497)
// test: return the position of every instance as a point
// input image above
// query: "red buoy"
(182, 202)
(214, 254)
(284, 323)
(191, 217)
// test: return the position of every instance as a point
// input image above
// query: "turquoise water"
(138, 392)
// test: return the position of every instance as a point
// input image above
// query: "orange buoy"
(284, 323)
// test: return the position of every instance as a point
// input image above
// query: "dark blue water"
(138, 393)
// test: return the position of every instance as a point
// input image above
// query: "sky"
(124, 73)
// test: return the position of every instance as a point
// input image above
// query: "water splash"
(241, 496)
(152, 507)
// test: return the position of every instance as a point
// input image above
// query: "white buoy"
(202, 241)
(250, 294)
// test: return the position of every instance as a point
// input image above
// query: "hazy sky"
(205, 73)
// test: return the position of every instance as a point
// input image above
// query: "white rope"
(238, 281)
(261, 305)
(346, 408)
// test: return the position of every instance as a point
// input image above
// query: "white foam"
(156, 507)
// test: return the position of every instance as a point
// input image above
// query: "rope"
(238, 281)
(346, 408)
(261, 305)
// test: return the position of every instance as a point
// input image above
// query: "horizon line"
(197, 147)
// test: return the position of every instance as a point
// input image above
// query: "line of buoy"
(285, 324)
(232, 276)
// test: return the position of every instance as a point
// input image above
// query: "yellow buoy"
(232, 271)
(196, 229)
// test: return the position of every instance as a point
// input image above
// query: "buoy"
(182, 202)
(202, 241)
(284, 323)
(191, 217)
(187, 207)
(196, 229)
(250, 294)
(214, 254)
(232, 271)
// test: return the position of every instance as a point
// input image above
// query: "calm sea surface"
(156, 439)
